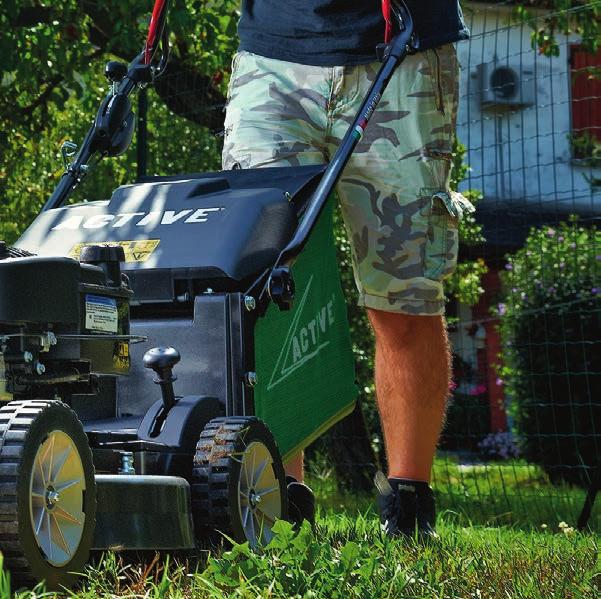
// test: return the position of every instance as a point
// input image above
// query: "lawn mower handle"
(115, 109)
(393, 54)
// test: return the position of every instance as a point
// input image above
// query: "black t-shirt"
(338, 32)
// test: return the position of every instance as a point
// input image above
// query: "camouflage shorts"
(394, 195)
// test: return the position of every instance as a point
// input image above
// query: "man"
(303, 68)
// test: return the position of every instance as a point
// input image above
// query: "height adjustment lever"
(281, 287)
(162, 360)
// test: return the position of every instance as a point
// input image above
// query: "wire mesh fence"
(522, 440)
(524, 426)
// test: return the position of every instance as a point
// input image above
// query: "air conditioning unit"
(506, 86)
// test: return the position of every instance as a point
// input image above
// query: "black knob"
(115, 71)
(108, 257)
(162, 360)
(281, 287)
(96, 254)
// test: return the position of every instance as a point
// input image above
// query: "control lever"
(162, 360)
(68, 150)
(115, 71)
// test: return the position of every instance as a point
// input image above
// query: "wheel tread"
(16, 419)
(215, 454)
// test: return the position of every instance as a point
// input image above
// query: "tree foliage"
(51, 84)
(563, 17)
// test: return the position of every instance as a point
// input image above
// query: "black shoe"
(301, 502)
(406, 507)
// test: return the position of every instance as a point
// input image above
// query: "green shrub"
(551, 331)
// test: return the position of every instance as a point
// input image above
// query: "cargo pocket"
(444, 212)
(434, 66)
(444, 71)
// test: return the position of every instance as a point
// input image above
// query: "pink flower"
(478, 389)
(499, 382)
(550, 232)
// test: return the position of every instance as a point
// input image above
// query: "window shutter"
(586, 92)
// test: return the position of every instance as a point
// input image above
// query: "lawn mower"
(225, 282)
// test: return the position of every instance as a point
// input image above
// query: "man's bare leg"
(295, 466)
(412, 373)
(412, 383)
(301, 501)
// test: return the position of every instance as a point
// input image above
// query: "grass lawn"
(347, 557)
(511, 492)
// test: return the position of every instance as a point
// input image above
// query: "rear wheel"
(238, 481)
(47, 494)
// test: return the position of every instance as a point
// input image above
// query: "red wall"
(488, 355)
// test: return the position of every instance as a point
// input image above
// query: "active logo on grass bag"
(303, 357)
(305, 339)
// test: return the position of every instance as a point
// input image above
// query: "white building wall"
(521, 154)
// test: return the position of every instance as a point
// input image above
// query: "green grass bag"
(304, 359)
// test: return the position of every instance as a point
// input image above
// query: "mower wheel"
(238, 481)
(47, 493)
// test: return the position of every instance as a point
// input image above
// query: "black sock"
(406, 484)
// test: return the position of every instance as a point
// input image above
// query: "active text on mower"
(139, 219)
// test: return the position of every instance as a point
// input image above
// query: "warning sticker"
(121, 356)
(135, 251)
(101, 314)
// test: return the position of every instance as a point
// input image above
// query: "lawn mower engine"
(63, 323)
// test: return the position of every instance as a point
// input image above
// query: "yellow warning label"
(121, 356)
(135, 251)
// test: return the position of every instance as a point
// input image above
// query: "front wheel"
(238, 480)
(48, 493)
